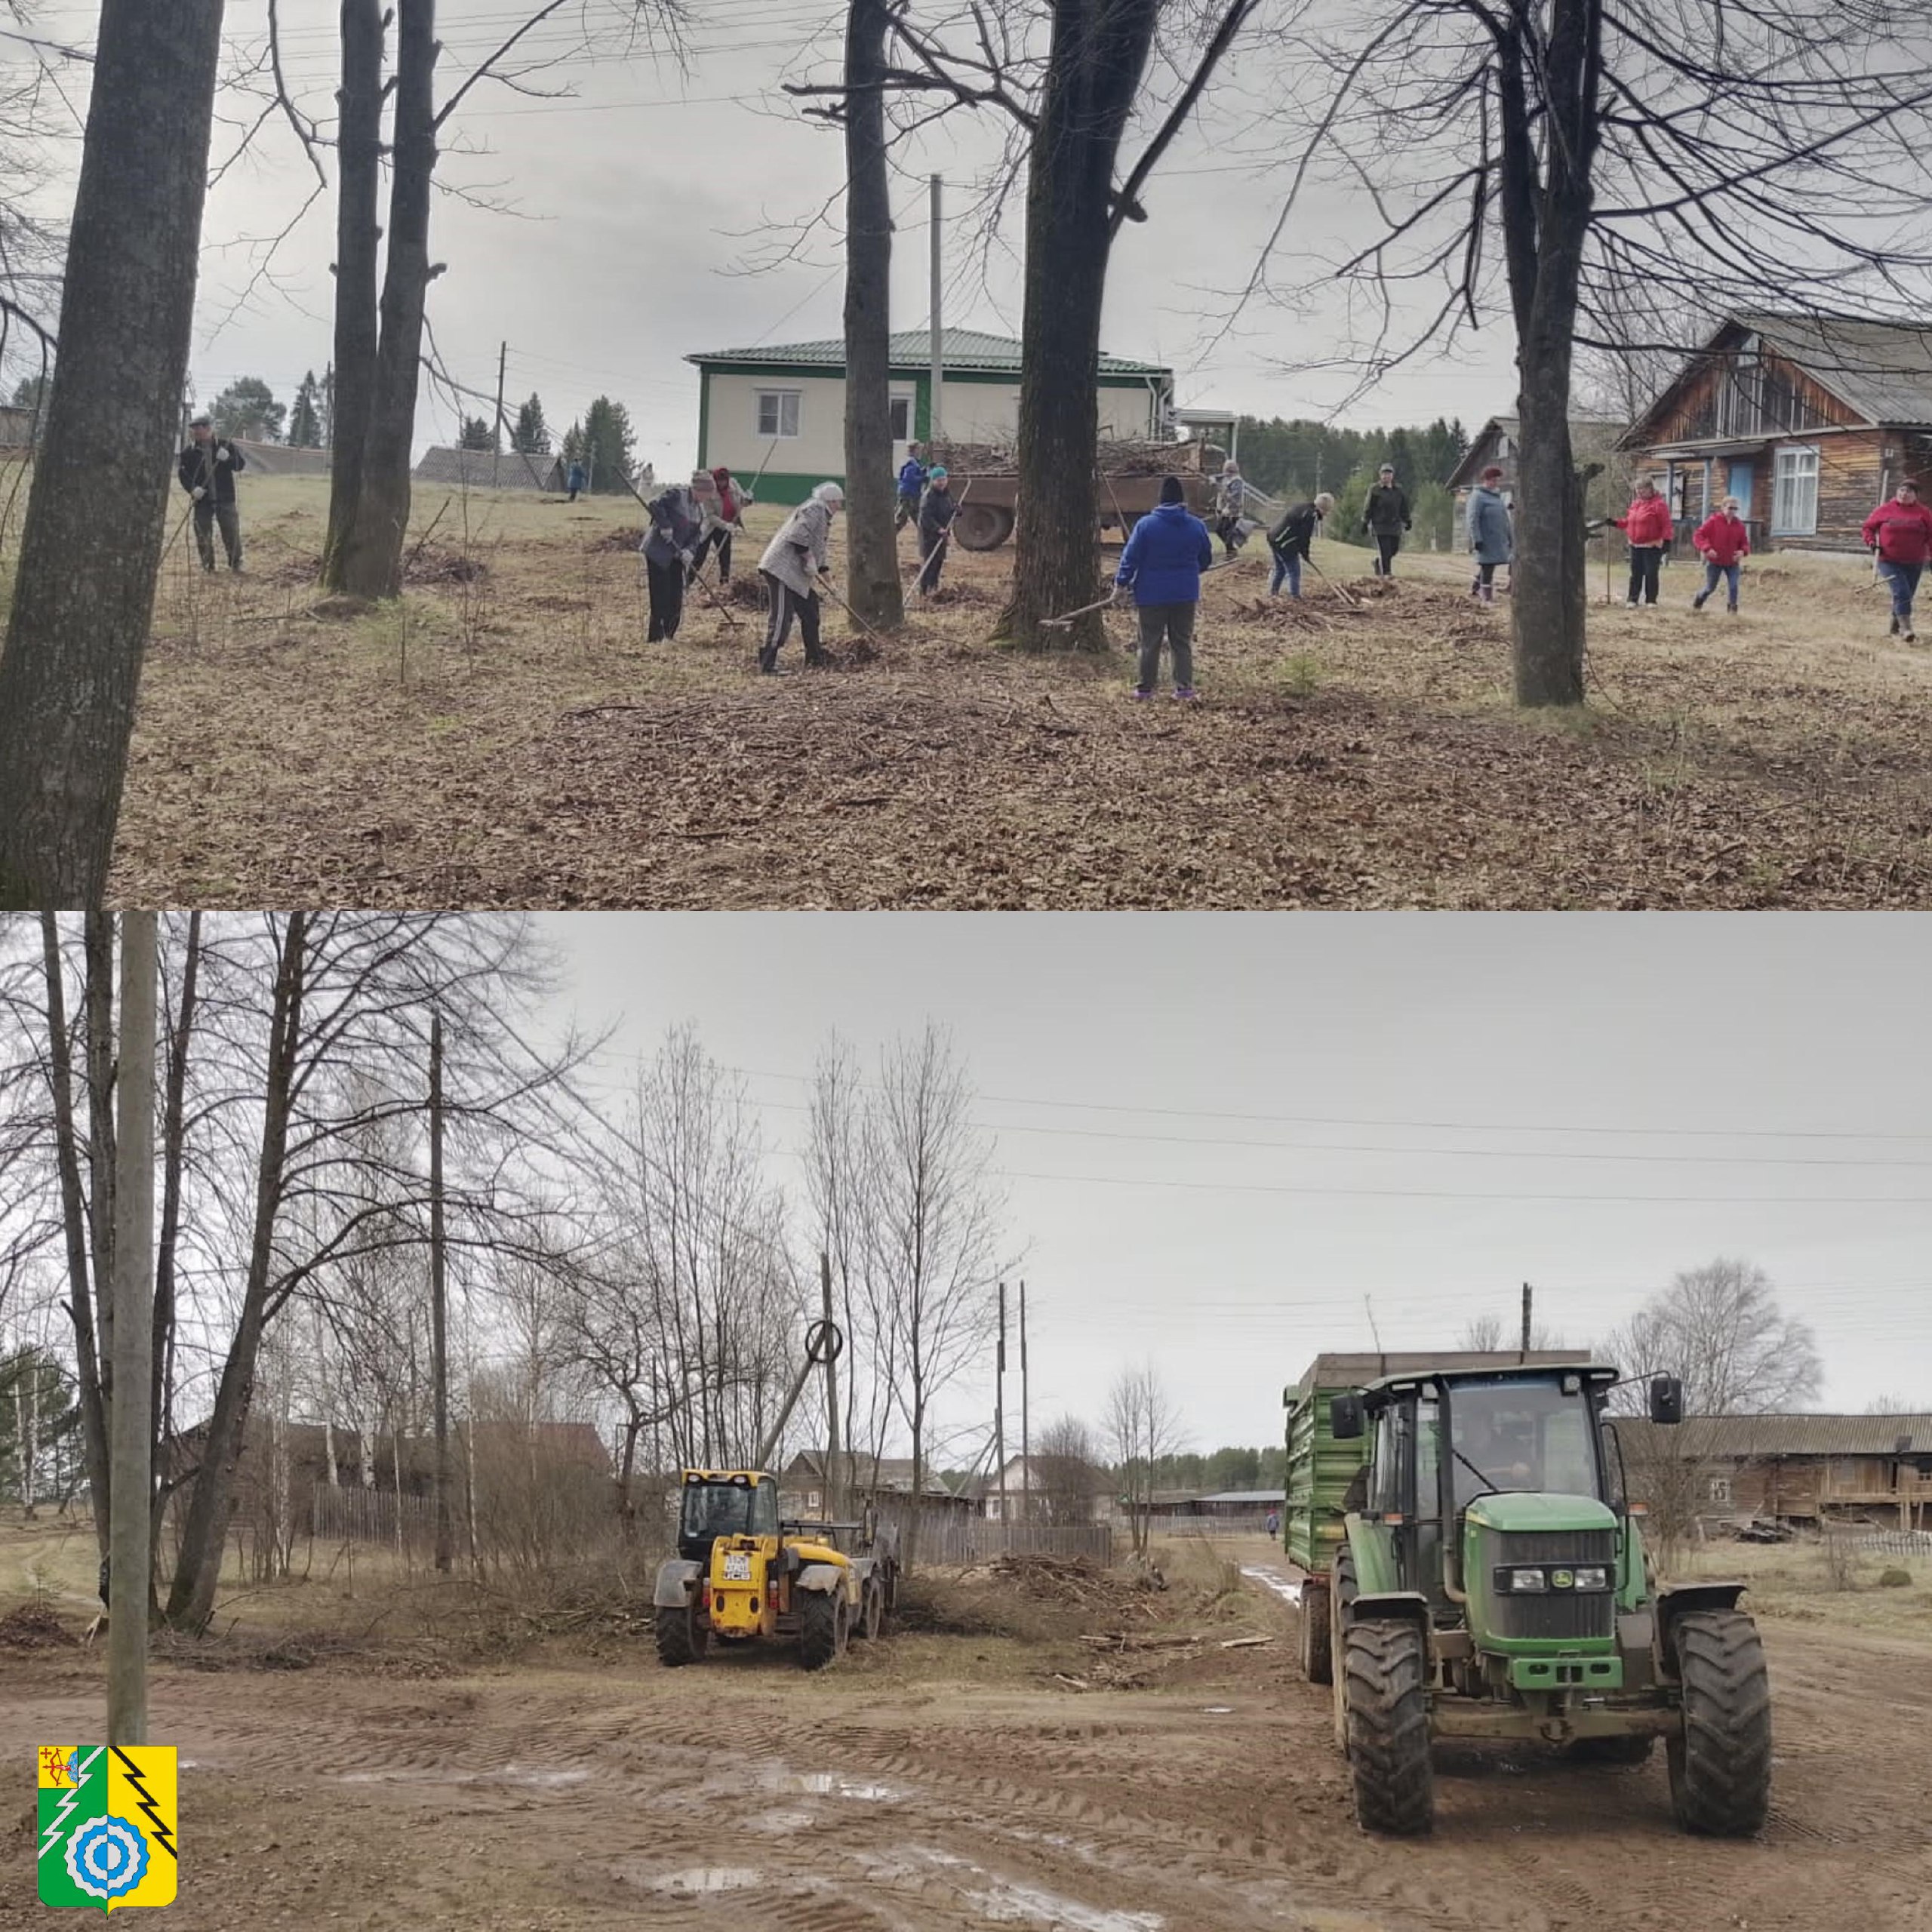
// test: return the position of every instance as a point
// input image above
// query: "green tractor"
(1492, 1582)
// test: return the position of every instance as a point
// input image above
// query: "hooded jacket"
(1165, 553)
(199, 469)
(937, 508)
(1491, 539)
(912, 477)
(1647, 522)
(1294, 535)
(802, 547)
(1386, 510)
(677, 522)
(1901, 533)
(1722, 538)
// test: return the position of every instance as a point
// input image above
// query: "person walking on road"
(937, 508)
(1161, 563)
(206, 469)
(574, 480)
(795, 562)
(1230, 496)
(1292, 539)
(1900, 530)
(1492, 541)
(1646, 526)
(912, 478)
(1724, 542)
(670, 552)
(1385, 516)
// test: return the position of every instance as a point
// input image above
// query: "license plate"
(737, 1566)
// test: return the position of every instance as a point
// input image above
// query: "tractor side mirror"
(1346, 1419)
(1666, 1399)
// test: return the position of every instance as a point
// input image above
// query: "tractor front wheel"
(1318, 1655)
(823, 1629)
(1720, 1754)
(1387, 1667)
(683, 1635)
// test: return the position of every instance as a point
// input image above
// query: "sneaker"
(1184, 693)
(1142, 692)
(1908, 636)
(1895, 627)
(1632, 604)
(1697, 602)
(1730, 610)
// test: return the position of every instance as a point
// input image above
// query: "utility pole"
(497, 441)
(834, 1469)
(999, 1405)
(1523, 1353)
(439, 1356)
(130, 1493)
(1026, 1434)
(936, 378)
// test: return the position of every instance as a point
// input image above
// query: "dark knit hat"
(1171, 491)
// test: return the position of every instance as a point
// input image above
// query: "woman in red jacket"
(1724, 542)
(1646, 524)
(1900, 530)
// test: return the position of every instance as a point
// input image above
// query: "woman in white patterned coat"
(794, 562)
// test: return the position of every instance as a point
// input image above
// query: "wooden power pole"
(129, 1550)
(497, 441)
(439, 1353)
(1523, 1350)
(999, 1405)
(1025, 1436)
(834, 1469)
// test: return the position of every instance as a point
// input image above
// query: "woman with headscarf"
(670, 550)
(732, 499)
(937, 508)
(794, 563)
(1492, 541)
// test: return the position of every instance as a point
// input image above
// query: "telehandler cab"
(1490, 1581)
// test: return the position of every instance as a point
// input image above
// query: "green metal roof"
(912, 350)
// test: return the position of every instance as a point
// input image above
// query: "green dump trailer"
(1490, 1580)
(1320, 1469)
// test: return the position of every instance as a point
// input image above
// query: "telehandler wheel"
(871, 1611)
(823, 1628)
(1721, 1754)
(1318, 1653)
(1386, 1664)
(683, 1634)
(1635, 1750)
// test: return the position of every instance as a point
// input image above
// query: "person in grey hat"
(795, 563)
(1384, 516)
(206, 469)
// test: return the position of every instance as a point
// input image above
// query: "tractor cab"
(720, 1503)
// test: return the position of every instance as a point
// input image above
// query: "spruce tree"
(532, 434)
(305, 422)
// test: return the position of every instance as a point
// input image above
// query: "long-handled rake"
(717, 603)
(939, 548)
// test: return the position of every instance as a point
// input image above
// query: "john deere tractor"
(1491, 1581)
(742, 1574)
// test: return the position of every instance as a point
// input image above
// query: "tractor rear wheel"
(683, 1634)
(1720, 1754)
(823, 1628)
(1317, 1633)
(1631, 1750)
(871, 1610)
(1386, 1666)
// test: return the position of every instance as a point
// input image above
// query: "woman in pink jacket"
(1646, 524)
(1900, 530)
(1724, 542)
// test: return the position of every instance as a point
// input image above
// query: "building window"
(1719, 1489)
(1795, 494)
(811, 1500)
(777, 412)
(902, 419)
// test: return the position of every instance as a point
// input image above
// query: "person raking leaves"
(206, 470)
(1161, 563)
(795, 562)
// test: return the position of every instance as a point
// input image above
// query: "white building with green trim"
(783, 410)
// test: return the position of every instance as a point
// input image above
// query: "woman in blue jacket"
(1166, 552)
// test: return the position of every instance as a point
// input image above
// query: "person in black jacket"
(937, 508)
(206, 470)
(1385, 515)
(1291, 539)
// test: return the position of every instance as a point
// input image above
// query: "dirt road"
(925, 1785)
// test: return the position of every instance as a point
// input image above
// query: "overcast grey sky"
(634, 199)
(1222, 1132)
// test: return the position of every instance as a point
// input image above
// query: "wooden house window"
(1719, 1488)
(1794, 493)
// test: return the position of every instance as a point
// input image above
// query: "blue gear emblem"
(107, 1857)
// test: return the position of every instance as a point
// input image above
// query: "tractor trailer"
(1468, 1565)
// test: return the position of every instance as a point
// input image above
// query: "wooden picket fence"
(953, 1539)
(370, 1515)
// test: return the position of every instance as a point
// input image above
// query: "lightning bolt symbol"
(68, 1799)
(133, 1774)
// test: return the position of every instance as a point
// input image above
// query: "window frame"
(1785, 473)
(778, 397)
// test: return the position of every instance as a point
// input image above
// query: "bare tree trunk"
(173, 1142)
(91, 550)
(198, 1571)
(359, 149)
(439, 1364)
(74, 1215)
(872, 574)
(1099, 52)
(372, 565)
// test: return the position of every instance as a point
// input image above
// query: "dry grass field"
(504, 736)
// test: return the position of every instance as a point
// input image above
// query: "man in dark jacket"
(206, 470)
(1292, 539)
(670, 551)
(937, 508)
(1161, 563)
(1385, 516)
(913, 479)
